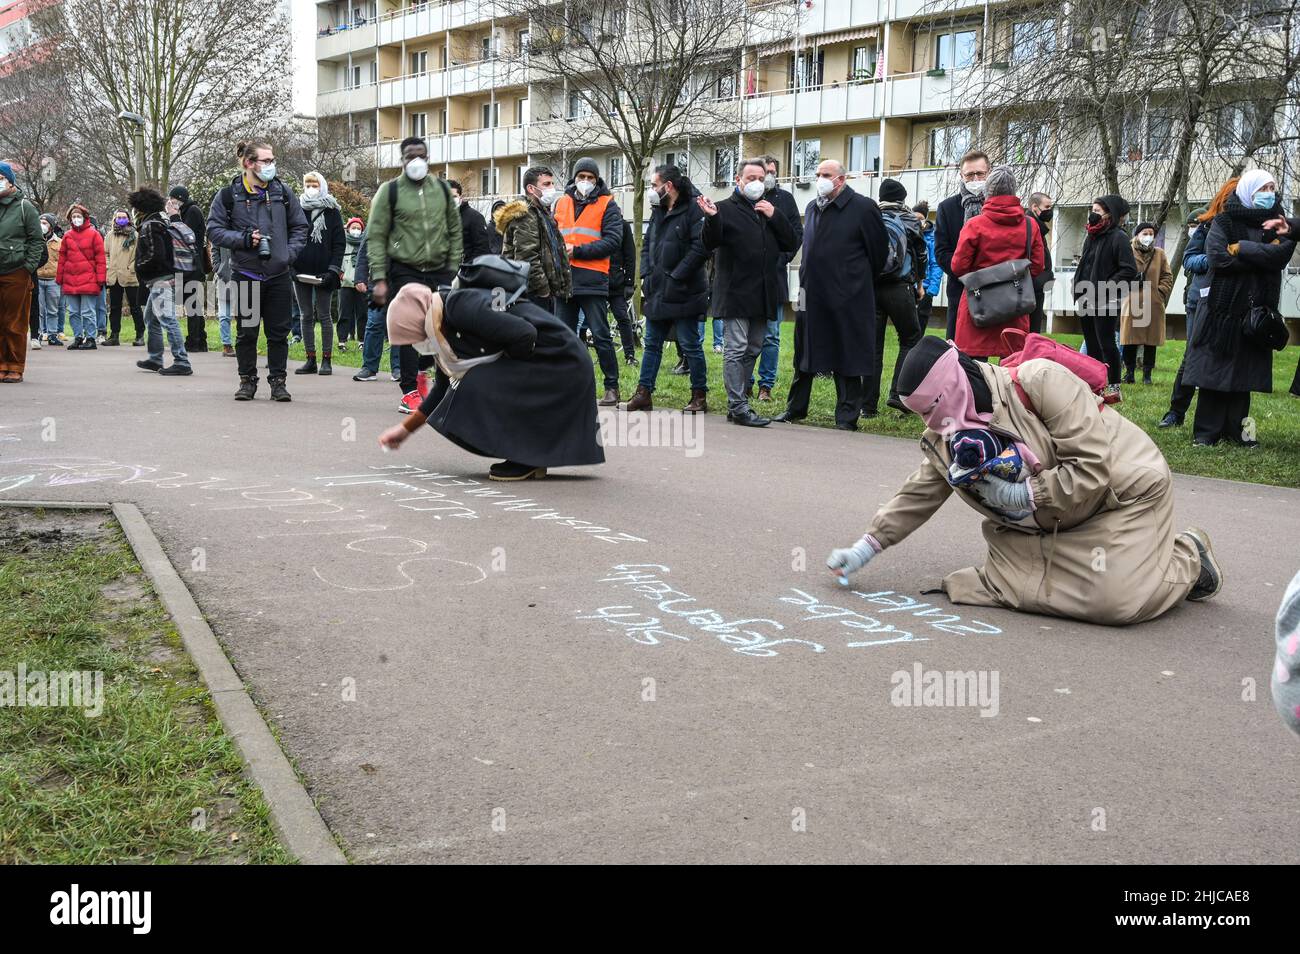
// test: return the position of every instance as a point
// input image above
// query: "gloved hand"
(842, 562)
(1003, 495)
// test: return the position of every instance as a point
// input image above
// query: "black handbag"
(1265, 326)
(1002, 292)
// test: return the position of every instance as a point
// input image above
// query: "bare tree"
(203, 73)
(34, 132)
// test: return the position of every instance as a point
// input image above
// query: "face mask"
(753, 190)
(417, 169)
(825, 186)
(976, 186)
(549, 196)
(1265, 200)
(311, 192)
(456, 199)
(769, 182)
(653, 197)
(45, 227)
(1045, 215)
(78, 221)
(121, 222)
(1146, 240)
(1094, 218)
(355, 233)
(585, 187)
(267, 172)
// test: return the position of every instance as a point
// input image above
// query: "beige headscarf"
(415, 318)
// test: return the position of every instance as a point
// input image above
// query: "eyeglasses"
(974, 175)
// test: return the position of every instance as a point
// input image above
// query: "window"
(521, 111)
(522, 40)
(1159, 133)
(954, 51)
(374, 71)
(578, 107)
(679, 159)
(374, 130)
(1032, 39)
(1027, 141)
(863, 64)
(488, 49)
(806, 70)
(724, 165)
(442, 121)
(358, 134)
(419, 124)
(1243, 126)
(948, 144)
(616, 167)
(864, 153)
(491, 115)
(487, 181)
(1263, 13)
(353, 78)
(727, 86)
(420, 63)
(807, 156)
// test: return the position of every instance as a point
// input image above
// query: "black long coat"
(1106, 268)
(674, 283)
(1255, 273)
(750, 251)
(844, 249)
(474, 233)
(536, 404)
(784, 203)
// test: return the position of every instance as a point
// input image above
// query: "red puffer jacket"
(996, 235)
(81, 261)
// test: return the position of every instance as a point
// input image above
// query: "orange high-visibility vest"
(585, 229)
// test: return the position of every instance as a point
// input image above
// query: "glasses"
(262, 162)
(974, 175)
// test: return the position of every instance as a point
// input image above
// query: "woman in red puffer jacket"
(996, 235)
(81, 276)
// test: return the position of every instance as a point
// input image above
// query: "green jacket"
(426, 235)
(21, 242)
(525, 237)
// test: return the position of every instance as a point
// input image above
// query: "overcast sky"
(304, 48)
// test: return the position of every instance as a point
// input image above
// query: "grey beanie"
(1001, 181)
(586, 164)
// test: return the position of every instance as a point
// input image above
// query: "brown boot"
(642, 400)
(765, 394)
(228, 351)
(698, 405)
(610, 399)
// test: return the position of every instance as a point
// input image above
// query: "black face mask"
(1094, 218)
(1045, 215)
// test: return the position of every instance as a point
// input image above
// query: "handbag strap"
(1029, 240)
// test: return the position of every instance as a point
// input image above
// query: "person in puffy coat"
(674, 286)
(1000, 233)
(81, 275)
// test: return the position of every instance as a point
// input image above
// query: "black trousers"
(265, 305)
(848, 397)
(196, 329)
(1181, 398)
(924, 310)
(1220, 416)
(896, 303)
(1099, 334)
(955, 290)
(352, 314)
(34, 316)
(412, 362)
(546, 303)
(132, 295)
(1038, 318)
(626, 334)
(1295, 381)
(1131, 355)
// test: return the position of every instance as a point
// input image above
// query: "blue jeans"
(372, 346)
(51, 307)
(689, 339)
(769, 357)
(595, 308)
(718, 333)
(101, 311)
(81, 314)
(224, 291)
(160, 315)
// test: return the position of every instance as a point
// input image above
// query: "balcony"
(356, 99)
(341, 41)
(857, 102)
(912, 94)
(475, 145)
(413, 23)
(416, 88)
(484, 75)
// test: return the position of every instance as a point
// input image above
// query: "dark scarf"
(922, 358)
(1105, 225)
(1233, 292)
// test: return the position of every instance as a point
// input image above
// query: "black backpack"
(155, 251)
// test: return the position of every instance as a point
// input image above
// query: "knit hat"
(1195, 217)
(1001, 181)
(180, 192)
(891, 190)
(586, 164)
(7, 171)
(360, 224)
(1144, 225)
(1114, 204)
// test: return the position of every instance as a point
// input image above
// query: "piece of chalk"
(843, 580)
(384, 448)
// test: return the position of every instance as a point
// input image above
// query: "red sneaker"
(422, 383)
(411, 401)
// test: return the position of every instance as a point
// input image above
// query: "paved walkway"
(473, 671)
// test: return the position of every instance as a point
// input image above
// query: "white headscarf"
(1250, 183)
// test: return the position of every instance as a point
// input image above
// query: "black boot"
(278, 391)
(310, 366)
(247, 389)
(325, 366)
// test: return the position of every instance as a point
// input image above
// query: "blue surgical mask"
(1265, 200)
(267, 172)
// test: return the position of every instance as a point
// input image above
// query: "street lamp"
(137, 134)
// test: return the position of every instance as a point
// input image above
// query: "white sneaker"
(395, 376)
(36, 344)
(101, 339)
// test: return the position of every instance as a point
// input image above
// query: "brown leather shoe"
(764, 394)
(698, 403)
(610, 399)
(642, 400)
(227, 351)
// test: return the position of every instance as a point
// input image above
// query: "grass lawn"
(125, 785)
(1277, 415)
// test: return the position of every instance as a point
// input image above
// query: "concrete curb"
(293, 813)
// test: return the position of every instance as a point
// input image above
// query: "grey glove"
(842, 562)
(1003, 495)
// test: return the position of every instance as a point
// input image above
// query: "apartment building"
(884, 86)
